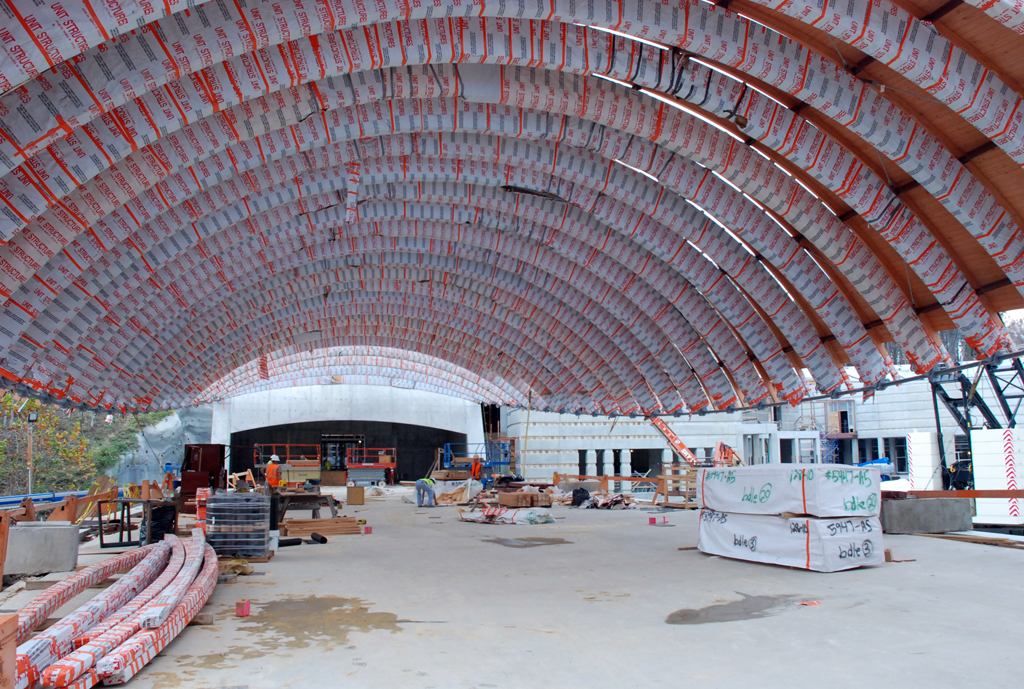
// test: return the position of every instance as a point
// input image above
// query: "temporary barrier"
(821, 545)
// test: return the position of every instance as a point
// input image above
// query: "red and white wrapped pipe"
(57, 595)
(49, 646)
(157, 611)
(127, 659)
(113, 631)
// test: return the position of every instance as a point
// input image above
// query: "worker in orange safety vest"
(474, 469)
(273, 472)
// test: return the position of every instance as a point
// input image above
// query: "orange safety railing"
(370, 457)
(285, 453)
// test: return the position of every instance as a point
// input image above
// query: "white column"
(591, 462)
(609, 468)
(626, 469)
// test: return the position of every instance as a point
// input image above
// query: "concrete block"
(926, 515)
(40, 548)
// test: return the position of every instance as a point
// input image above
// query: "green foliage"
(109, 442)
(68, 451)
(60, 457)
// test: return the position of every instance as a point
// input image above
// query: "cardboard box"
(514, 499)
(525, 499)
(355, 495)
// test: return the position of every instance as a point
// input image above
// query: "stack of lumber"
(304, 528)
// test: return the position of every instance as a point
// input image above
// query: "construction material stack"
(238, 524)
(115, 634)
(822, 518)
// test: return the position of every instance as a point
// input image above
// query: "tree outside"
(68, 451)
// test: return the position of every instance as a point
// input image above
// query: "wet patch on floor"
(749, 608)
(302, 622)
(164, 680)
(526, 542)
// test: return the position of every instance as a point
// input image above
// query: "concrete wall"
(346, 402)
(552, 442)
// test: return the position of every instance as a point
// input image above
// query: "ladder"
(674, 442)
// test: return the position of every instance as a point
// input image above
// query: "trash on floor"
(617, 501)
(503, 515)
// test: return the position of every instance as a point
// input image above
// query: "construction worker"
(474, 469)
(425, 489)
(273, 471)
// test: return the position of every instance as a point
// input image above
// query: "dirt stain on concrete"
(164, 680)
(303, 622)
(526, 542)
(749, 608)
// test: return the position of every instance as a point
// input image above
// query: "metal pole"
(30, 434)
(938, 427)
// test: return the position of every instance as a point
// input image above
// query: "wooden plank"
(966, 493)
(980, 540)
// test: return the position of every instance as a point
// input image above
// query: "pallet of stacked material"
(823, 490)
(303, 528)
(238, 524)
(820, 545)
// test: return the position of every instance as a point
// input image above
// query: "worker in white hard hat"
(273, 471)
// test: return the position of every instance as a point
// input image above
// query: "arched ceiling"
(644, 207)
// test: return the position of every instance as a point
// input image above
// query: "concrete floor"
(427, 601)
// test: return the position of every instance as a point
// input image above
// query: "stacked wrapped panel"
(823, 518)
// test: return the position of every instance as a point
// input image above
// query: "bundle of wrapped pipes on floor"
(110, 638)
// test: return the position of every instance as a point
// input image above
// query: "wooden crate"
(680, 485)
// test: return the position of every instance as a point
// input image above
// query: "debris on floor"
(616, 501)
(503, 515)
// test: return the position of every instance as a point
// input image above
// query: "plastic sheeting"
(1009, 13)
(914, 49)
(167, 141)
(335, 365)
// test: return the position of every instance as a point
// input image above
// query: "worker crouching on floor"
(425, 492)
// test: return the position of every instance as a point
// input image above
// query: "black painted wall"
(415, 444)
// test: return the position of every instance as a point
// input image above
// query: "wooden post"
(68, 512)
(30, 510)
(5, 527)
(8, 646)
